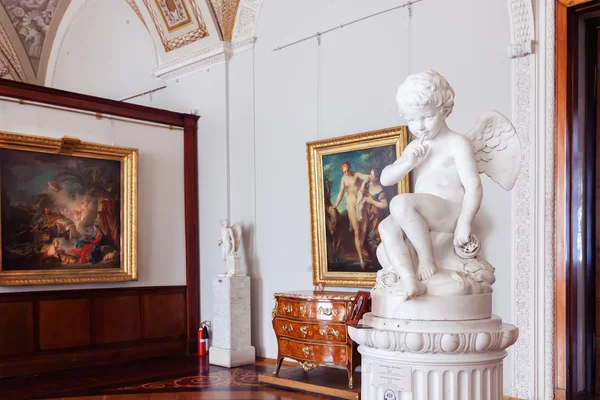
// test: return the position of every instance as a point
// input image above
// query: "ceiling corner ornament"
(225, 12)
(246, 19)
(173, 16)
(521, 26)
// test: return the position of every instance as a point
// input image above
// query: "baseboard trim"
(68, 360)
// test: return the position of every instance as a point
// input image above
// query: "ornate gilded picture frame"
(347, 203)
(68, 211)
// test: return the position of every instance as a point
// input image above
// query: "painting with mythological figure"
(174, 13)
(66, 211)
(348, 202)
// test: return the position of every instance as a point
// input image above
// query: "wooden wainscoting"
(44, 331)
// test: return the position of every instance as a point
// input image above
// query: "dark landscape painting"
(355, 204)
(59, 212)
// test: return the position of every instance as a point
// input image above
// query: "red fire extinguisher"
(203, 338)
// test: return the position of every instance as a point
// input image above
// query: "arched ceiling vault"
(28, 30)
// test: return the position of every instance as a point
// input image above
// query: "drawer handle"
(333, 332)
(304, 330)
(305, 350)
(287, 308)
(307, 366)
(327, 311)
(288, 328)
(303, 309)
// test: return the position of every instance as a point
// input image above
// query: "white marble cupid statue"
(230, 238)
(436, 219)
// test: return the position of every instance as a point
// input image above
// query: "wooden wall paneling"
(180, 306)
(560, 201)
(64, 323)
(16, 328)
(164, 316)
(116, 319)
(52, 361)
(113, 332)
(192, 243)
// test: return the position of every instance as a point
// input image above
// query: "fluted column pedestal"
(432, 360)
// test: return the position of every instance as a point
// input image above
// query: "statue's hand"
(462, 234)
(417, 154)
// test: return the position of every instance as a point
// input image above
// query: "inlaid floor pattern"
(178, 378)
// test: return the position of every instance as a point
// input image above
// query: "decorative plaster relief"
(31, 20)
(10, 59)
(521, 21)
(225, 12)
(246, 19)
(175, 25)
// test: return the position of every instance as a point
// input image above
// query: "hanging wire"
(113, 132)
(318, 86)
(410, 39)
(318, 34)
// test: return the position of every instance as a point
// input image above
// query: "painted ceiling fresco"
(31, 20)
(178, 22)
(28, 29)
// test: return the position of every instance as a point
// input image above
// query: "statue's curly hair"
(427, 88)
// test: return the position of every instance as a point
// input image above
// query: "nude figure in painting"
(350, 186)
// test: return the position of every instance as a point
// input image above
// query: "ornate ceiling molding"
(225, 12)
(201, 59)
(176, 25)
(246, 19)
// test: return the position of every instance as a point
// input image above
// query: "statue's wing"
(497, 148)
(237, 233)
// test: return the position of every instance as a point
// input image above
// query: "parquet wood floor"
(177, 378)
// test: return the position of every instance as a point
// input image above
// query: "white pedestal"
(432, 360)
(234, 265)
(231, 322)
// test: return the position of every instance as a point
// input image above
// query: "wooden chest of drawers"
(311, 328)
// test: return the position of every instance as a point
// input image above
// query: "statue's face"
(425, 122)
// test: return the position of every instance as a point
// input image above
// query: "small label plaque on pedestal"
(391, 376)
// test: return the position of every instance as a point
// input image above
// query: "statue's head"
(425, 100)
(224, 222)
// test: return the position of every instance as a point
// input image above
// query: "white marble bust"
(428, 247)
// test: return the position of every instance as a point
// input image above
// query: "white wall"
(358, 69)
(161, 227)
(106, 52)
(258, 112)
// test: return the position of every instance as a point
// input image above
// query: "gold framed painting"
(68, 211)
(347, 203)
